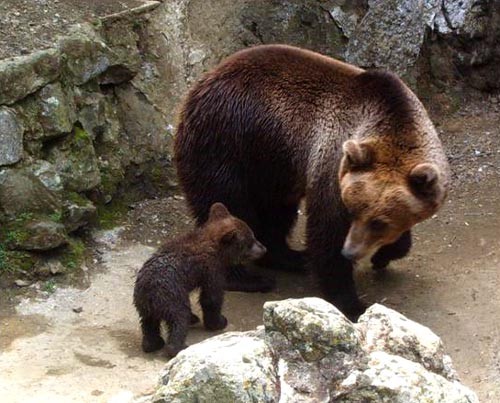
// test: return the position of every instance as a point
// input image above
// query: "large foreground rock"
(310, 352)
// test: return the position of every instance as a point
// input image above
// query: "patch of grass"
(49, 286)
(12, 261)
(56, 216)
(14, 233)
(73, 254)
(76, 198)
(112, 214)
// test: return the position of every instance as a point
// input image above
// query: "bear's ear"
(424, 179)
(218, 211)
(357, 154)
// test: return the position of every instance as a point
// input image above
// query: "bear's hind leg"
(151, 338)
(178, 330)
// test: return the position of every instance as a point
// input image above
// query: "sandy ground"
(83, 343)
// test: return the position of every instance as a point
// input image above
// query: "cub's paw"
(173, 349)
(152, 344)
(219, 324)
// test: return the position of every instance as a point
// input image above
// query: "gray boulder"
(390, 378)
(233, 367)
(384, 329)
(39, 235)
(315, 327)
(11, 137)
(85, 54)
(21, 76)
(391, 34)
(23, 192)
(56, 115)
(47, 174)
(310, 352)
(75, 161)
(77, 211)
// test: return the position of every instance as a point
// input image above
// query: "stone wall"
(76, 132)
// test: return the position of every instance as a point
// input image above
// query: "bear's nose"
(348, 254)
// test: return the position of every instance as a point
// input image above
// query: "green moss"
(73, 254)
(15, 261)
(76, 198)
(81, 135)
(56, 217)
(14, 232)
(49, 286)
(112, 214)
(109, 181)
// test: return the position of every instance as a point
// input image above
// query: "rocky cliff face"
(309, 352)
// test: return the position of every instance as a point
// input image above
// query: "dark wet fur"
(198, 259)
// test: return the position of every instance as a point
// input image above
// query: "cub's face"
(383, 202)
(235, 240)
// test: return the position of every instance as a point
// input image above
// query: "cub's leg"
(151, 338)
(211, 300)
(178, 330)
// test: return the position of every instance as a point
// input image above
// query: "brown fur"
(198, 259)
(274, 123)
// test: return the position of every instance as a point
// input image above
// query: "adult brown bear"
(272, 124)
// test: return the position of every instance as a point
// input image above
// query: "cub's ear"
(229, 237)
(357, 154)
(424, 179)
(218, 211)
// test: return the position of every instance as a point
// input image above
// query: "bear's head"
(232, 237)
(385, 195)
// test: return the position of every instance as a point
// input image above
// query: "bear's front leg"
(211, 300)
(393, 251)
(334, 273)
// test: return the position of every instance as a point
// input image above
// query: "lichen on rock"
(75, 161)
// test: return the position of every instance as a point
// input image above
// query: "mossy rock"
(77, 211)
(34, 233)
(75, 161)
(13, 261)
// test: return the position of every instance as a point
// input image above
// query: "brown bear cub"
(197, 259)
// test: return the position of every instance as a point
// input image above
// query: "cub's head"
(232, 237)
(384, 200)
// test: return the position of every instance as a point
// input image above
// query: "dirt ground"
(83, 343)
(28, 25)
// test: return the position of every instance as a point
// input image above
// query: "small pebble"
(22, 283)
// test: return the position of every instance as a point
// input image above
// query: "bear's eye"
(377, 225)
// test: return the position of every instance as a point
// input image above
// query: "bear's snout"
(348, 254)
(257, 251)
